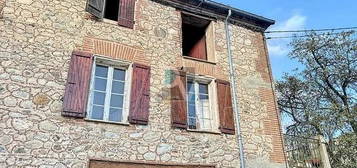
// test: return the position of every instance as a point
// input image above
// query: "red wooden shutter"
(226, 117)
(199, 50)
(178, 100)
(77, 88)
(140, 95)
(126, 13)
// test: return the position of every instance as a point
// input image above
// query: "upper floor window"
(109, 93)
(121, 11)
(197, 37)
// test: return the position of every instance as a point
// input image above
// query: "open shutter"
(226, 117)
(77, 88)
(140, 95)
(126, 13)
(178, 100)
(95, 7)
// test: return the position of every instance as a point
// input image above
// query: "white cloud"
(297, 21)
(277, 50)
(278, 47)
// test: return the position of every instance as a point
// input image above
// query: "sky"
(296, 15)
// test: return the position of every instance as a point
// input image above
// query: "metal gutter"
(234, 91)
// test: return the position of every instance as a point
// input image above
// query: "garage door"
(106, 164)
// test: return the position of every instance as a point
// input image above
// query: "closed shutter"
(140, 95)
(126, 13)
(178, 100)
(199, 50)
(226, 117)
(95, 7)
(77, 88)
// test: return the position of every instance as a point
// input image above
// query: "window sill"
(205, 131)
(110, 21)
(199, 60)
(107, 122)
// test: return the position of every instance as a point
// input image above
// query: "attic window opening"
(111, 11)
(194, 36)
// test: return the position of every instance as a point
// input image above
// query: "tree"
(322, 98)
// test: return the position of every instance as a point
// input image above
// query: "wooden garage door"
(106, 164)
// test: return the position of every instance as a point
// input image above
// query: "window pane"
(190, 87)
(115, 115)
(191, 110)
(101, 71)
(192, 123)
(98, 98)
(203, 88)
(97, 112)
(119, 74)
(100, 84)
(203, 97)
(191, 98)
(116, 101)
(118, 87)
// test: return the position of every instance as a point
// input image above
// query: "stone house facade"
(128, 84)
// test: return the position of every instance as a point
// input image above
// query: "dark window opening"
(111, 9)
(194, 36)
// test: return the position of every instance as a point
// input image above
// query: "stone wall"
(37, 38)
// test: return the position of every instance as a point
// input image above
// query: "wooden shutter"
(140, 95)
(178, 100)
(126, 13)
(226, 116)
(77, 88)
(95, 7)
(199, 50)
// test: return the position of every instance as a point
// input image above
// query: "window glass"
(100, 84)
(97, 112)
(203, 88)
(107, 96)
(99, 98)
(198, 106)
(116, 101)
(101, 71)
(118, 87)
(119, 75)
(115, 114)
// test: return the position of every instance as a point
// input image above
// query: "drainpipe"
(234, 91)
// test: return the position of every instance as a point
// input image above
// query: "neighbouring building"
(134, 83)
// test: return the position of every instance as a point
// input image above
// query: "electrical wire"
(310, 30)
(297, 36)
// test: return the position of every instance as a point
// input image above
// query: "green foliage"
(322, 98)
(343, 151)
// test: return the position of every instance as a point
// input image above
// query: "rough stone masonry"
(37, 38)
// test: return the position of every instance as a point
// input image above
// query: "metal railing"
(302, 152)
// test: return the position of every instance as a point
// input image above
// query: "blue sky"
(297, 14)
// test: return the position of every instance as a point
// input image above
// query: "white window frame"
(213, 106)
(111, 64)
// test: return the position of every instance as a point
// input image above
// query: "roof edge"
(220, 11)
(242, 12)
